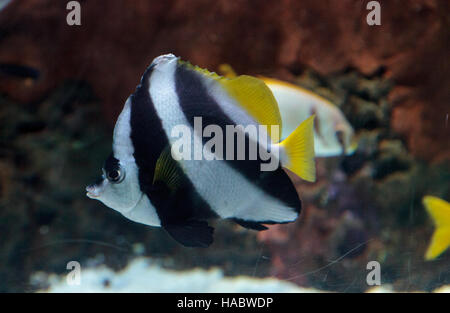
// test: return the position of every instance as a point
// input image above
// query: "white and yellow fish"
(147, 183)
(333, 134)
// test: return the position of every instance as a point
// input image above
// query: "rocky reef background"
(391, 82)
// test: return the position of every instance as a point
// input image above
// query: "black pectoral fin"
(191, 233)
(250, 225)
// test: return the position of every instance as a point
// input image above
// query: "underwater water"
(59, 102)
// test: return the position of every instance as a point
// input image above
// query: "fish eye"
(115, 176)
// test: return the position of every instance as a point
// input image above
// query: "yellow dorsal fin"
(439, 211)
(298, 151)
(256, 99)
(203, 71)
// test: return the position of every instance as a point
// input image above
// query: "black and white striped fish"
(145, 181)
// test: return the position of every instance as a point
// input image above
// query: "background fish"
(143, 181)
(333, 134)
(439, 211)
(4, 3)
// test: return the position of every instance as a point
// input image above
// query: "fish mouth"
(91, 195)
(92, 192)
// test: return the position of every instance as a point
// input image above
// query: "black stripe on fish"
(149, 140)
(196, 102)
(111, 164)
(147, 134)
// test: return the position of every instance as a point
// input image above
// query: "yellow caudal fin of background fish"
(257, 100)
(298, 151)
(439, 211)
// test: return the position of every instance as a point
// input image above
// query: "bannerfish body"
(333, 134)
(150, 177)
(439, 210)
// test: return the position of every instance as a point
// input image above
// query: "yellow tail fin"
(439, 211)
(299, 151)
